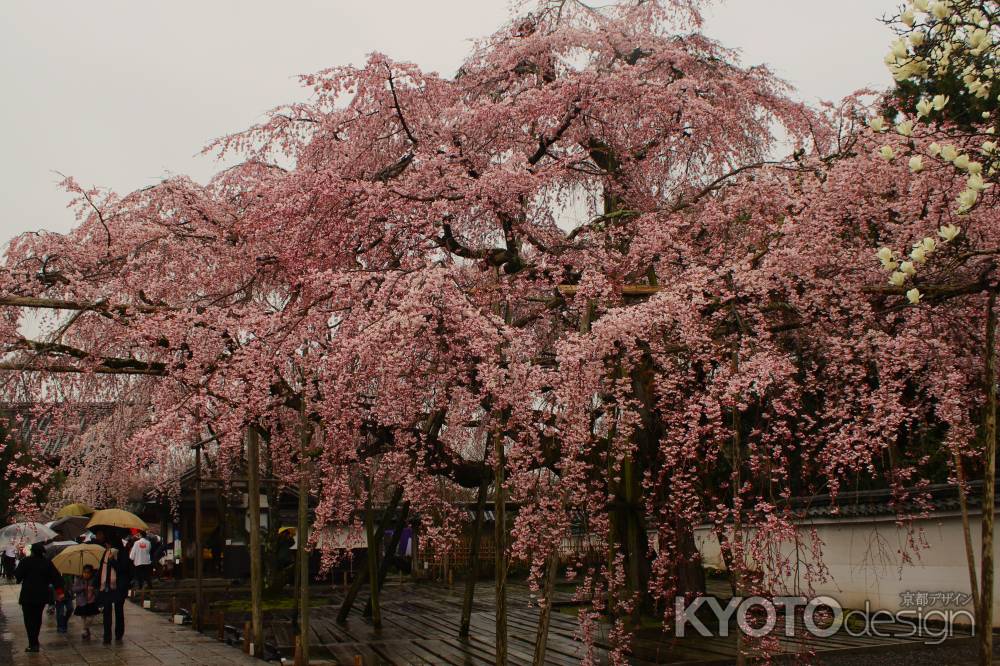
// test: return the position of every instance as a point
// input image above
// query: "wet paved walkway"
(149, 640)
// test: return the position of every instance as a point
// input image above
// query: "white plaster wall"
(865, 560)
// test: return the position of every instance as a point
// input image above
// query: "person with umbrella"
(35, 574)
(113, 582)
(9, 561)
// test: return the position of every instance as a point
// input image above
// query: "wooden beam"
(626, 290)
(97, 306)
(64, 368)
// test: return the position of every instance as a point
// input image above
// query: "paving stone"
(150, 640)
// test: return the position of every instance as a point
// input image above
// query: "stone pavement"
(149, 640)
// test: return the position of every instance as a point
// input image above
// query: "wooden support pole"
(473, 574)
(246, 637)
(373, 546)
(989, 487)
(545, 612)
(221, 621)
(199, 560)
(362, 577)
(500, 541)
(253, 503)
(970, 555)
(302, 535)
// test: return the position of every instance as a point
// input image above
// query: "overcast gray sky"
(120, 93)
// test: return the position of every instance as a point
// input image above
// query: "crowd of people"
(97, 590)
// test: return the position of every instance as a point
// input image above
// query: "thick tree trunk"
(545, 612)
(989, 484)
(636, 544)
(500, 539)
(253, 507)
(362, 577)
(473, 573)
(383, 570)
(690, 572)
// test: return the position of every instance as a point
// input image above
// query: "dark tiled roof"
(36, 430)
(942, 498)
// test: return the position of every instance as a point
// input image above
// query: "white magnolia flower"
(975, 182)
(961, 162)
(905, 128)
(978, 38)
(913, 296)
(940, 101)
(974, 167)
(949, 232)
(887, 153)
(908, 268)
(921, 5)
(897, 279)
(917, 37)
(989, 146)
(916, 164)
(949, 153)
(934, 149)
(940, 10)
(877, 123)
(898, 48)
(919, 254)
(908, 17)
(986, 114)
(929, 244)
(966, 200)
(924, 108)
(884, 255)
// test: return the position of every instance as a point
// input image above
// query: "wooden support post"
(473, 575)
(989, 487)
(246, 637)
(500, 541)
(970, 554)
(195, 621)
(302, 535)
(357, 660)
(199, 560)
(253, 502)
(221, 622)
(173, 604)
(362, 576)
(298, 651)
(373, 547)
(545, 612)
(393, 544)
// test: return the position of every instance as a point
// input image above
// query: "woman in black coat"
(36, 574)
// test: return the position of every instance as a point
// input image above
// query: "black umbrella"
(70, 527)
(54, 549)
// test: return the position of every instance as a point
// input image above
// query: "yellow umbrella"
(73, 558)
(75, 509)
(117, 518)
